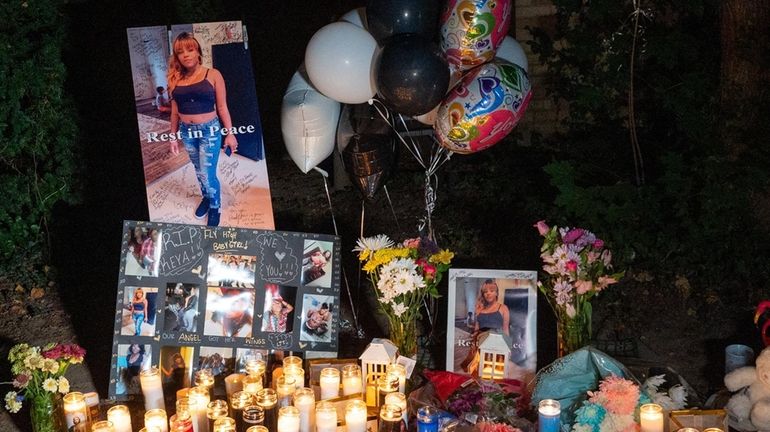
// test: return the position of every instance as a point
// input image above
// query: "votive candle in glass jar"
(253, 415)
(103, 426)
(205, 378)
(252, 384)
(292, 361)
(398, 399)
(181, 422)
(75, 410)
(258, 428)
(288, 419)
(156, 418)
(330, 383)
(120, 417)
(325, 417)
(351, 380)
(304, 400)
(267, 399)
(214, 410)
(238, 402)
(224, 424)
(390, 419)
(651, 418)
(548, 411)
(152, 389)
(284, 389)
(386, 384)
(199, 398)
(256, 367)
(297, 373)
(427, 419)
(355, 416)
(398, 370)
(233, 383)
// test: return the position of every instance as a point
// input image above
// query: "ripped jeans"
(138, 320)
(203, 147)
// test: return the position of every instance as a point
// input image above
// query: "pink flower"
(598, 244)
(583, 286)
(429, 271)
(606, 257)
(619, 395)
(412, 243)
(21, 380)
(573, 235)
(542, 228)
(604, 281)
(591, 257)
(496, 427)
(572, 266)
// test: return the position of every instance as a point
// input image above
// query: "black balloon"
(412, 74)
(386, 18)
(369, 161)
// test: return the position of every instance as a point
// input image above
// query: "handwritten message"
(279, 264)
(182, 250)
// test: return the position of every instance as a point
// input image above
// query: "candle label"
(218, 296)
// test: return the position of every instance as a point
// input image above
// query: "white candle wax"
(351, 385)
(233, 383)
(355, 416)
(199, 400)
(651, 418)
(549, 411)
(297, 373)
(120, 418)
(330, 383)
(398, 399)
(304, 401)
(288, 419)
(400, 371)
(75, 408)
(156, 418)
(326, 417)
(152, 388)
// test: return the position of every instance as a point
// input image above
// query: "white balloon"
(513, 52)
(356, 17)
(339, 60)
(308, 123)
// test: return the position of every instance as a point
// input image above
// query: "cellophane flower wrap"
(577, 267)
(403, 275)
(39, 372)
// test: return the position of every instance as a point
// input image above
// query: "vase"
(573, 334)
(45, 412)
(403, 334)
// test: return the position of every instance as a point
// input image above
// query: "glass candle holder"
(427, 419)
(255, 367)
(199, 398)
(252, 384)
(651, 418)
(182, 393)
(182, 405)
(258, 428)
(355, 416)
(224, 424)
(288, 419)
(548, 412)
(253, 415)
(351, 380)
(304, 400)
(156, 418)
(268, 400)
(398, 370)
(75, 410)
(233, 383)
(205, 378)
(385, 385)
(297, 373)
(214, 410)
(292, 361)
(390, 418)
(238, 402)
(120, 417)
(181, 422)
(103, 426)
(152, 389)
(284, 389)
(713, 429)
(325, 417)
(330, 383)
(398, 399)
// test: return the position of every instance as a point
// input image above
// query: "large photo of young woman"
(199, 126)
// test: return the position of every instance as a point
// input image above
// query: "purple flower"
(572, 235)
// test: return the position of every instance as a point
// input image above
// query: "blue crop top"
(198, 98)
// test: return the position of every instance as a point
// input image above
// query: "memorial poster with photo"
(217, 149)
(192, 297)
(498, 300)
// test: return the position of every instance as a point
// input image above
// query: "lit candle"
(304, 400)
(75, 409)
(181, 422)
(216, 409)
(152, 388)
(258, 428)
(351, 379)
(355, 416)
(233, 383)
(224, 424)
(330, 383)
(292, 361)
(267, 399)
(253, 415)
(427, 419)
(284, 388)
(256, 367)
(199, 402)
(390, 419)
(398, 399)
(297, 373)
(651, 418)
(252, 384)
(103, 426)
(548, 411)
(325, 417)
(386, 384)
(238, 402)
(288, 419)
(398, 370)
(182, 393)
(92, 406)
(205, 378)
(120, 418)
(156, 417)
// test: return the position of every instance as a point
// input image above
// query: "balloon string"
(324, 175)
(392, 210)
(358, 283)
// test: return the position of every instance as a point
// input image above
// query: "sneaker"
(202, 209)
(213, 217)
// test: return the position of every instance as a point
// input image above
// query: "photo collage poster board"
(192, 297)
(502, 300)
(169, 157)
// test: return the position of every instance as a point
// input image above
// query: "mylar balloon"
(356, 17)
(511, 51)
(369, 161)
(483, 108)
(471, 30)
(308, 123)
(339, 60)
(360, 119)
(412, 74)
(386, 18)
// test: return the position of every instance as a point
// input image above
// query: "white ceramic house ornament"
(494, 351)
(375, 358)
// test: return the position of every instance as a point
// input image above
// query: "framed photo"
(501, 300)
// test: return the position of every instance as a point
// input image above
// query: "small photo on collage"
(143, 251)
(278, 310)
(181, 311)
(220, 361)
(317, 315)
(175, 370)
(229, 311)
(317, 263)
(234, 271)
(138, 312)
(132, 359)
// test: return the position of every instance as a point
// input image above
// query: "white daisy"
(380, 241)
(50, 385)
(64, 385)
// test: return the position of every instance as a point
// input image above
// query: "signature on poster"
(279, 264)
(182, 246)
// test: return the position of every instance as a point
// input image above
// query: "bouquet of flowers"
(404, 275)
(39, 377)
(578, 268)
(612, 408)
